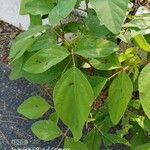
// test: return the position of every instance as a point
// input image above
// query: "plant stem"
(73, 59)
(123, 69)
(62, 139)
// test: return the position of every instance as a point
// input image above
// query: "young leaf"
(72, 145)
(24, 41)
(45, 59)
(73, 96)
(61, 10)
(143, 147)
(140, 41)
(107, 63)
(93, 140)
(34, 107)
(111, 13)
(120, 93)
(38, 7)
(46, 130)
(144, 90)
(91, 47)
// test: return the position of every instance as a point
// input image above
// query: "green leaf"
(143, 122)
(143, 147)
(144, 89)
(24, 41)
(61, 11)
(91, 47)
(110, 139)
(22, 7)
(38, 7)
(140, 41)
(35, 20)
(95, 28)
(16, 69)
(48, 76)
(97, 84)
(46, 130)
(72, 145)
(54, 117)
(107, 63)
(45, 59)
(93, 140)
(44, 41)
(120, 93)
(138, 139)
(111, 13)
(73, 89)
(34, 107)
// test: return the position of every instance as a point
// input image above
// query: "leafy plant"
(97, 60)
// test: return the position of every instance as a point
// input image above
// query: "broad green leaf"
(24, 41)
(45, 59)
(44, 41)
(16, 69)
(95, 28)
(42, 7)
(19, 47)
(72, 145)
(46, 130)
(73, 97)
(97, 84)
(144, 89)
(34, 107)
(143, 147)
(48, 76)
(140, 41)
(111, 13)
(110, 139)
(107, 63)
(93, 140)
(120, 93)
(91, 47)
(61, 11)
(139, 22)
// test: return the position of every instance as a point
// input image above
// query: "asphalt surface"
(15, 129)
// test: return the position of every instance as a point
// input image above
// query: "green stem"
(73, 58)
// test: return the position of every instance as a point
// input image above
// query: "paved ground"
(15, 130)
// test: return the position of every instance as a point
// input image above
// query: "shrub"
(97, 61)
